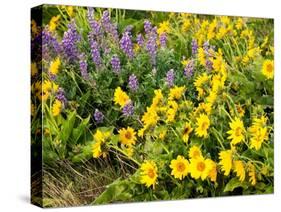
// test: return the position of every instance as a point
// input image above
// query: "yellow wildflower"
(127, 136)
(53, 23)
(164, 27)
(57, 107)
(194, 152)
(176, 92)
(226, 161)
(54, 67)
(239, 169)
(179, 167)
(148, 173)
(268, 69)
(120, 97)
(186, 132)
(237, 131)
(200, 168)
(203, 123)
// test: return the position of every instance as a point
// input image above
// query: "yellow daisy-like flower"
(200, 168)
(213, 171)
(148, 175)
(157, 98)
(186, 132)
(252, 173)
(268, 69)
(164, 27)
(179, 167)
(99, 146)
(120, 97)
(176, 92)
(226, 161)
(194, 152)
(127, 136)
(150, 117)
(54, 67)
(258, 137)
(203, 123)
(239, 169)
(57, 107)
(186, 25)
(201, 56)
(53, 23)
(237, 131)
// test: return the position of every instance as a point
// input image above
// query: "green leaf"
(67, 127)
(234, 183)
(117, 191)
(77, 132)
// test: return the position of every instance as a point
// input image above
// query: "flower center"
(186, 130)
(128, 135)
(151, 173)
(269, 68)
(201, 166)
(204, 125)
(180, 167)
(238, 131)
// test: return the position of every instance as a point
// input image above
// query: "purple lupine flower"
(108, 26)
(98, 116)
(115, 63)
(95, 52)
(60, 95)
(170, 77)
(128, 109)
(206, 46)
(188, 70)
(50, 44)
(151, 45)
(83, 66)
(133, 82)
(126, 45)
(209, 64)
(140, 40)
(194, 47)
(105, 21)
(163, 39)
(147, 26)
(70, 40)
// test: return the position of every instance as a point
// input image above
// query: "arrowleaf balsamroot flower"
(268, 69)
(226, 161)
(237, 131)
(187, 129)
(120, 97)
(194, 152)
(57, 107)
(200, 168)
(180, 167)
(54, 67)
(127, 136)
(148, 175)
(203, 124)
(99, 145)
(239, 169)
(176, 92)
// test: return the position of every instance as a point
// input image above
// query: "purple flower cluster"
(128, 109)
(96, 28)
(60, 95)
(151, 45)
(170, 77)
(83, 66)
(163, 39)
(98, 116)
(70, 40)
(147, 26)
(115, 63)
(95, 52)
(194, 47)
(189, 68)
(140, 40)
(50, 44)
(126, 45)
(133, 82)
(109, 28)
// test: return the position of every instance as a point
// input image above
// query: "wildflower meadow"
(132, 105)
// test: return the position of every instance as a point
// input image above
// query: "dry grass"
(67, 184)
